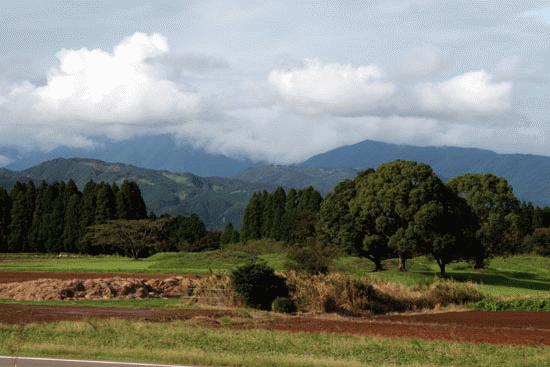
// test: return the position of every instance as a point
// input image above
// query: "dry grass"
(342, 294)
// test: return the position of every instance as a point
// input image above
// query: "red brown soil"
(519, 328)
(516, 328)
(22, 314)
(23, 276)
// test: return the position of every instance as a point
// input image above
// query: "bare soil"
(24, 276)
(516, 328)
(22, 314)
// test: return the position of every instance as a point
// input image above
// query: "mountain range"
(222, 195)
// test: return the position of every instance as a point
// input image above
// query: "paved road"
(50, 362)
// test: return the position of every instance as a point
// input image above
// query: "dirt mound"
(93, 289)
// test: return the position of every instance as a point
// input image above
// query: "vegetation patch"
(527, 304)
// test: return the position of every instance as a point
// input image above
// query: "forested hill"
(215, 199)
(528, 174)
(321, 179)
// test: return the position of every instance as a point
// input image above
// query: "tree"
(278, 203)
(302, 210)
(134, 238)
(387, 201)
(446, 230)
(336, 224)
(182, 231)
(493, 201)
(129, 202)
(252, 219)
(5, 209)
(539, 241)
(89, 202)
(23, 198)
(229, 234)
(106, 208)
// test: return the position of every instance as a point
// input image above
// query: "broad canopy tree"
(493, 201)
(400, 209)
(134, 238)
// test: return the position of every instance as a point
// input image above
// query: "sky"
(276, 81)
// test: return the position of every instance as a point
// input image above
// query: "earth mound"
(94, 289)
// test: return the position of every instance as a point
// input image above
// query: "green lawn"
(511, 276)
(185, 342)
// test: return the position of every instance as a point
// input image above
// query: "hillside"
(216, 200)
(322, 179)
(528, 174)
(155, 152)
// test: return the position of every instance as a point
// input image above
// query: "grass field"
(513, 276)
(185, 342)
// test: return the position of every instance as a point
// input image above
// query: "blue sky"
(276, 80)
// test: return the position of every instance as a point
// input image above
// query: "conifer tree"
(129, 202)
(22, 198)
(229, 234)
(89, 202)
(106, 208)
(5, 209)
(278, 203)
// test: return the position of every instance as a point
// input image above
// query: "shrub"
(258, 285)
(539, 242)
(312, 258)
(451, 292)
(283, 305)
(527, 304)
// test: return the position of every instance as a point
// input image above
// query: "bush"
(258, 285)
(539, 242)
(312, 258)
(450, 292)
(513, 305)
(283, 305)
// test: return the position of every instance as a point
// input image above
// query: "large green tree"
(493, 201)
(133, 238)
(387, 201)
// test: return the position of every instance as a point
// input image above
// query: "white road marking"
(88, 362)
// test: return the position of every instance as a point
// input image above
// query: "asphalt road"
(6, 361)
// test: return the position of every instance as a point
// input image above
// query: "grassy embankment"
(185, 342)
(515, 276)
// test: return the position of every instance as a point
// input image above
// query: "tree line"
(289, 217)
(103, 218)
(401, 210)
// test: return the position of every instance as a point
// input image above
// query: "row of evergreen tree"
(282, 216)
(53, 217)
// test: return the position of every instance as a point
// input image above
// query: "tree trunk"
(378, 265)
(479, 263)
(441, 268)
(402, 264)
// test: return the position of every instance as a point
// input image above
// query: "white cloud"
(94, 85)
(336, 89)
(284, 117)
(421, 62)
(473, 93)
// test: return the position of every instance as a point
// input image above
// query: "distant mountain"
(528, 174)
(323, 179)
(154, 152)
(216, 200)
